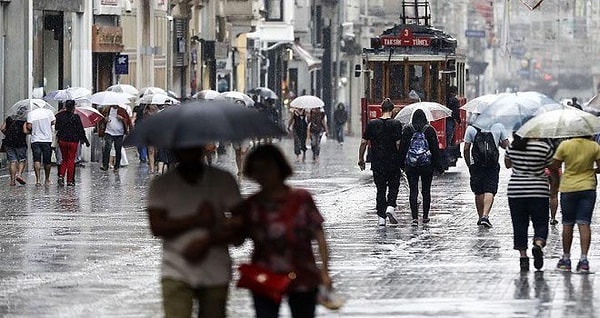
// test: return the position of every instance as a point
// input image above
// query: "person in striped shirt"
(528, 195)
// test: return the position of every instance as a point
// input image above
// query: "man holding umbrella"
(39, 125)
(113, 127)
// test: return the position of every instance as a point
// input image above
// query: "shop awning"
(312, 62)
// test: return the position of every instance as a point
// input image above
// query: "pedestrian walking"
(340, 117)
(317, 125)
(528, 195)
(70, 133)
(137, 118)
(186, 206)
(482, 147)
(15, 146)
(150, 110)
(420, 157)
(383, 135)
(115, 125)
(577, 194)
(39, 125)
(298, 125)
(283, 222)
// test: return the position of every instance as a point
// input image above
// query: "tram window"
(416, 77)
(377, 82)
(396, 84)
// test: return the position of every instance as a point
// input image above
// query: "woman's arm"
(324, 254)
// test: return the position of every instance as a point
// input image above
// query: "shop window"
(274, 10)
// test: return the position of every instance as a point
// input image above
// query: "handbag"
(264, 282)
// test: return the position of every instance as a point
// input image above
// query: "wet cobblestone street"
(87, 250)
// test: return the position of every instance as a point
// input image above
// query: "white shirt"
(180, 199)
(41, 124)
(114, 127)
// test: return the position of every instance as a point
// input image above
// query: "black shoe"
(553, 222)
(103, 168)
(71, 184)
(524, 263)
(479, 221)
(485, 222)
(61, 181)
(538, 257)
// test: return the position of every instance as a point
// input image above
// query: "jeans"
(69, 153)
(521, 211)
(450, 125)
(143, 152)
(108, 143)
(302, 305)
(577, 207)
(339, 132)
(425, 173)
(315, 144)
(387, 182)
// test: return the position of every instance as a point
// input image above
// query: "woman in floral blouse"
(283, 222)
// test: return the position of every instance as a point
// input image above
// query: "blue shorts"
(577, 207)
(16, 154)
(42, 152)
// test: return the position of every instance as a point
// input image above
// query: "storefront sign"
(59, 5)
(107, 39)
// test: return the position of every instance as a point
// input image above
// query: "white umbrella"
(151, 91)
(561, 123)
(237, 96)
(307, 102)
(71, 93)
(109, 98)
(433, 111)
(39, 113)
(124, 88)
(157, 99)
(173, 94)
(207, 94)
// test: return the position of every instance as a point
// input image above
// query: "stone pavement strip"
(87, 251)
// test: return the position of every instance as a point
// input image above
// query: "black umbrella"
(264, 92)
(197, 123)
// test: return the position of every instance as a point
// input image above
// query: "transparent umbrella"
(236, 96)
(561, 123)
(207, 94)
(478, 104)
(157, 99)
(71, 93)
(512, 111)
(151, 91)
(21, 108)
(124, 88)
(433, 111)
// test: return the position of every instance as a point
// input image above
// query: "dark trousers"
(521, 211)
(302, 305)
(109, 140)
(315, 144)
(450, 127)
(299, 142)
(387, 182)
(413, 174)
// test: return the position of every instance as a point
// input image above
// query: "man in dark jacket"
(340, 117)
(383, 134)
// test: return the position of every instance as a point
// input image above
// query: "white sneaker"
(391, 214)
(381, 221)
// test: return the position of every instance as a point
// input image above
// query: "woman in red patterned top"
(283, 222)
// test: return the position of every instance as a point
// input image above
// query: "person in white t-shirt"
(186, 209)
(39, 125)
(113, 128)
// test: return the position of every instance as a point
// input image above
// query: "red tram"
(413, 56)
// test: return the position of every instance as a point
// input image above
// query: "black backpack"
(485, 151)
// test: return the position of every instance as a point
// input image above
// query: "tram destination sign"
(399, 41)
(405, 38)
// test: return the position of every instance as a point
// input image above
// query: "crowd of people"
(537, 176)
